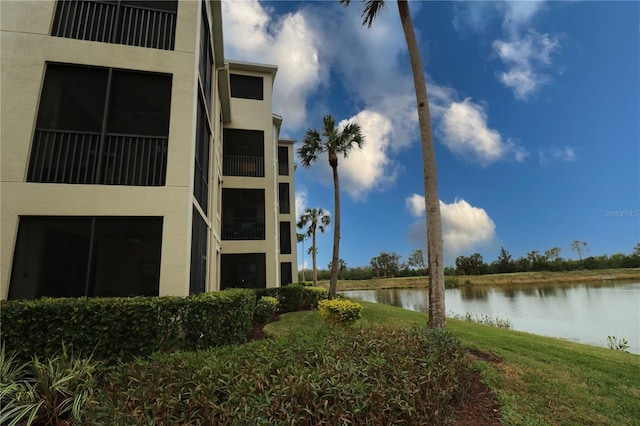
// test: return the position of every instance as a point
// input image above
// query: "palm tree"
(432, 200)
(313, 220)
(333, 141)
(301, 238)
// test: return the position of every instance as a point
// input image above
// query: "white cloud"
(369, 168)
(524, 58)
(415, 204)
(464, 227)
(251, 34)
(301, 200)
(565, 153)
(465, 131)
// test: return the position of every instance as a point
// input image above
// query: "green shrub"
(312, 295)
(306, 283)
(360, 375)
(123, 328)
(265, 308)
(340, 312)
(290, 298)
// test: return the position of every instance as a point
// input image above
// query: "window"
(283, 161)
(286, 276)
(202, 166)
(101, 126)
(206, 57)
(86, 256)
(149, 24)
(243, 271)
(283, 198)
(243, 153)
(285, 237)
(247, 87)
(243, 214)
(199, 234)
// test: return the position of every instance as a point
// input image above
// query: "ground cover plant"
(375, 374)
(536, 380)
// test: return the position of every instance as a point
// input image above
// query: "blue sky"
(535, 109)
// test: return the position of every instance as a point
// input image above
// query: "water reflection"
(585, 313)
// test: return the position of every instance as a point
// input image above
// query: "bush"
(122, 328)
(290, 298)
(265, 308)
(340, 312)
(312, 295)
(360, 375)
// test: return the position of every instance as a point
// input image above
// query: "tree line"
(389, 264)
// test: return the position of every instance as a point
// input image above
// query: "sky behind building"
(535, 109)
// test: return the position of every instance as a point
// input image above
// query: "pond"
(584, 313)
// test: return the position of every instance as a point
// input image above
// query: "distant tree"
(537, 261)
(636, 250)
(504, 262)
(314, 220)
(386, 264)
(579, 247)
(335, 142)
(471, 265)
(342, 267)
(416, 259)
(552, 254)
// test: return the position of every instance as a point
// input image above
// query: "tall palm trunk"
(432, 200)
(333, 283)
(313, 257)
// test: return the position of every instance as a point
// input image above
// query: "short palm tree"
(432, 200)
(334, 142)
(313, 220)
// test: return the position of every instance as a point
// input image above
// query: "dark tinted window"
(286, 276)
(247, 87)
(285, 237)
(283, 198)
(140, 104)
(73, 98)
(283, 161)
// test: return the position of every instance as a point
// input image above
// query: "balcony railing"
(115, 22)
(236, 165)
(82, 158)
(243, 229)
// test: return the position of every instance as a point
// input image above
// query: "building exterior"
(135, 160)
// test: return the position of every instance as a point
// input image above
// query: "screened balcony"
(243, 153)
(243, 214)
(101, 126)
(243, 271)
(83, 158)
(149, 24)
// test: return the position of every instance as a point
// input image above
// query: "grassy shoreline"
(536, 380)
(581, 276)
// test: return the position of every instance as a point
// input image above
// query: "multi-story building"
(135, 160)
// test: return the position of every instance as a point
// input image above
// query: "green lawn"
(540, 380)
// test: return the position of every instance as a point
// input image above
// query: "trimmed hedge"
(265, 308)
(122, 328)
(294, 297)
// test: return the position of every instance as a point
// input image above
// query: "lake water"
(584, 313)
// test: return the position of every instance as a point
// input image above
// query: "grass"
(540, 380)
(495, 279)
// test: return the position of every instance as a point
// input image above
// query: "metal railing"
(243, 229)
(236, 165)
(115, 22)
(84, 158)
